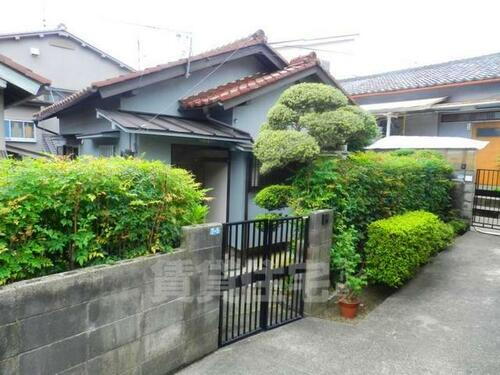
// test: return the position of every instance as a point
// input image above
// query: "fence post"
(317, 283)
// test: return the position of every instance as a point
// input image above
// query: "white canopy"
(415, 142)
(402, 106)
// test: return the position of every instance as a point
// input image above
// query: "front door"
(488, 157)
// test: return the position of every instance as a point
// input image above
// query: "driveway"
(445, 321)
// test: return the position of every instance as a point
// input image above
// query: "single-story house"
(201, 113)
(70, 63)
(458, 98)
(18, 84)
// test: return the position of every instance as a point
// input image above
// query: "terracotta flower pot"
(348, 310)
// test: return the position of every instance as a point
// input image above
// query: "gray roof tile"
(457, 71)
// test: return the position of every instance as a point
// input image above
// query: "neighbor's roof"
(432, 143)
(173, 126)
(61, 31)
(470, 70)
(255, 39)
(249, 84)
(23, 70)
(402, 106)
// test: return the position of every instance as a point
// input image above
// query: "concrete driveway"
(445, 321)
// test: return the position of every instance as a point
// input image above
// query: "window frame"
(20, 139)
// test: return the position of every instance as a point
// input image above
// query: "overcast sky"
(393, 34)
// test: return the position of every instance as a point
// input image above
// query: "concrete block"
(52, 326)
(9, 340)
(118, 361)
(197, 306)
(201, 236)
(159, 292)
(8, 306)
(208, 322)
(162, 316)
(54, 292)
(77, 370)
(114, 307)
(10, 366)
(164, 363)
(202, 345)
(162, 341)
(112, 336)
(54, 358)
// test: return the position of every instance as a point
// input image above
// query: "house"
(18, 84)
(458, 98)
(201, 113)
(70, 63)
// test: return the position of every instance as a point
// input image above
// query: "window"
(488, 132)
(18, 130)
(469, 117)
(106, 150)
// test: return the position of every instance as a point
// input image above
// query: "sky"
(392, 34)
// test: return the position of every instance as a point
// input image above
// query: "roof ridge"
(63, 30)
(417, 67)
(258, 37)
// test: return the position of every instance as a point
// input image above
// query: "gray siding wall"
(454, 129)
(164, 97)
(62, 60)
(155, 147)
(422, 124)
(2, 135)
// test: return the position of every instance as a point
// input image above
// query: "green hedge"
(59, 214)
(368, 186)
(398, 246)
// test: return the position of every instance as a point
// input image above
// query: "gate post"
(317, 280)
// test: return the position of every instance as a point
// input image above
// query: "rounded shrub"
(399, 245)
(274, 197)
(313, 97)
(280, 117)
(279, 148)
(60, 214)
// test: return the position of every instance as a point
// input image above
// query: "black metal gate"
(263, 272)
(486, 206)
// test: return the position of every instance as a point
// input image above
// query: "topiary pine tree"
(308, 118)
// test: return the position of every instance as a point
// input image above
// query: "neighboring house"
(70, 63)
(17, 85)
(458, 98)
(202, 114)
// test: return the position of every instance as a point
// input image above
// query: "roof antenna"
(44, 18)
(190, 51)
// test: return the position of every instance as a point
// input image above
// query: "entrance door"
(488, 157)
(209, 165)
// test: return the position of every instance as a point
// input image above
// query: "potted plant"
(349, 295)
(346, 264)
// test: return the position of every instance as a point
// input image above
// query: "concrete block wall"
(149, 315)
(317, 283)
(463, 197)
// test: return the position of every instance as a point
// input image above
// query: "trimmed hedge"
(369, 186)
(398, 246)
(61, 214)
(273, 197)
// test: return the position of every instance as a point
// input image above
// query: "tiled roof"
(65, 103)
(61, 31)
(256, 38)
(23, 70)
(452, 72)
(248, 84)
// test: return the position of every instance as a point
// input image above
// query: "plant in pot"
(346, 264)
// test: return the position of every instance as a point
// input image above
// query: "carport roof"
(133, 122)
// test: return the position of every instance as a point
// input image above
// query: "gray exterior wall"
(2, 113)
(164, 97)
(127, 318)
(66, 63)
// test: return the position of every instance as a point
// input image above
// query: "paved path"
(445, 321)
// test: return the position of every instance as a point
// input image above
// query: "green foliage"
(59, 214)
(319, 110)
(279, 148)
(398, 246)
(312, 97)
(281, 117)
(332, 129)
(369, 186)
(273, 197)
(459, 225)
